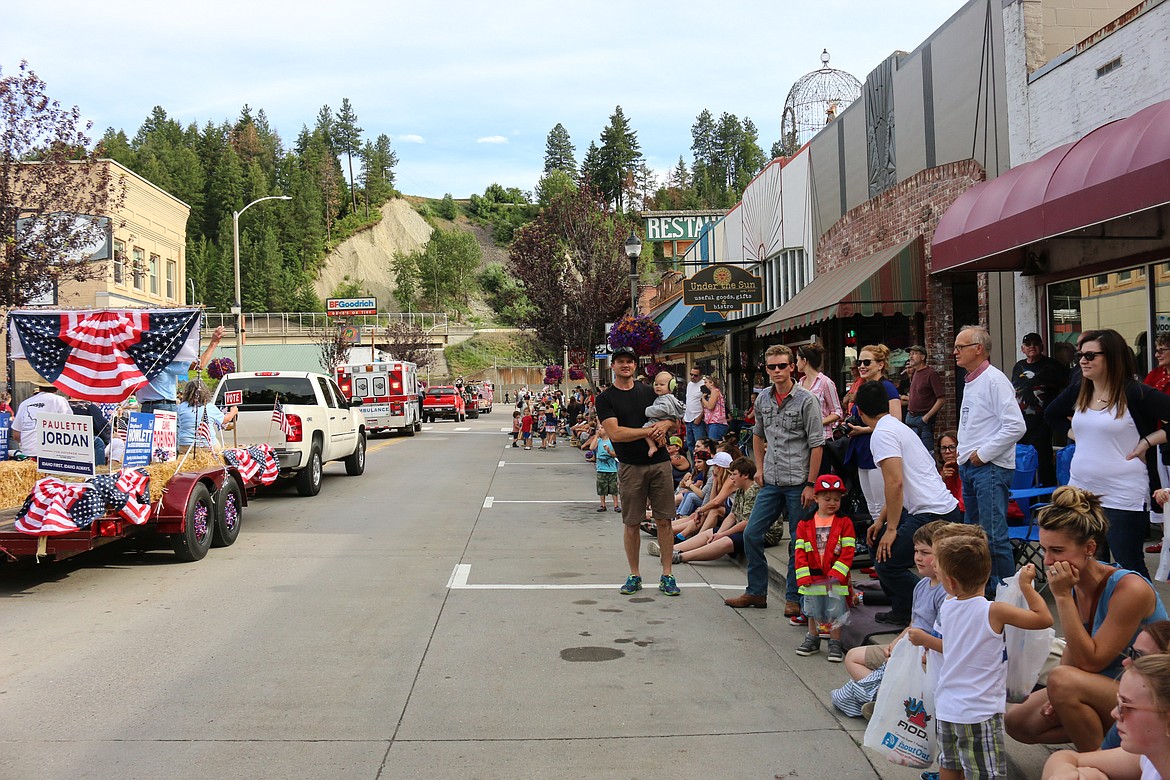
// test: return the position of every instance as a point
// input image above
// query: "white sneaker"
(653, 549)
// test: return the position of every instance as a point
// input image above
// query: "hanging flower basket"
(553, 375)
(654, 368)
(639, 332)
(220, 367)
(576, 373)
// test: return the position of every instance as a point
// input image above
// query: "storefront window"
(1119, 301)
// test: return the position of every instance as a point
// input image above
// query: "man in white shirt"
(990, 424)
(915, 495)
(693, 416)
(24, 422)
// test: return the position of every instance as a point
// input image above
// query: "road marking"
(490, 500)
(502, 464)
(463, 429)
(462, 572)
(384, 444)
(544, 463)
(505, 430)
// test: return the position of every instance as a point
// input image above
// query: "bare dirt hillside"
(368, 257)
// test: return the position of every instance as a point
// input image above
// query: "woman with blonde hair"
(871, 363)
(1102, 609)
(1142, 710)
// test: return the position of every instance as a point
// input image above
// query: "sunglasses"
(1124, 709)
(1132, 653)
(778, 366)
(1088, 356)
(863, 363)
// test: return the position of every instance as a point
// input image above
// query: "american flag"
(135, 484)
(262, 453)
(46, 510)
(281, 419)
(103, 355)
(203, 432)
(243, 461)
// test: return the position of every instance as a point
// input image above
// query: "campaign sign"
(233, 397)
(139, 440)
(65, 444)
(5, 421)
(166, 441)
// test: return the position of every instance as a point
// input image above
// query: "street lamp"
(238, 308)
(633, 251)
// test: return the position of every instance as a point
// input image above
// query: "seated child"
(971, 695)
(824, 550)
(665, 406)
(711, 544)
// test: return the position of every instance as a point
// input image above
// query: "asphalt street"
(453, 613)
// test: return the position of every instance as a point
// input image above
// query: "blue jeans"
(985, 500)
(1127, 538)
(690, 502)
(897, 573)
(695, 430)
(924, 429)
(769, 502)
(717, 431)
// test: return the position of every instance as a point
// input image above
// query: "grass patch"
(484, 350)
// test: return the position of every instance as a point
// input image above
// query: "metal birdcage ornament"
(813, 102)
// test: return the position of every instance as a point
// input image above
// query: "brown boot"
(747, 600)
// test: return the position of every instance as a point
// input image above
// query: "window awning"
(669, 318)
(887, 282)
(1118, 169)
(689, 327)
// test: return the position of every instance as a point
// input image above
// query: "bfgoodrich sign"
(722, 288)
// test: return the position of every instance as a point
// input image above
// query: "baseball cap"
(721, 459)
(829, 482)
(1033, 338)
(921, 350)
(676, 441)
(628, 351)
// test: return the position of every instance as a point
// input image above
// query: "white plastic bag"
(902, 727)
(1027, 650)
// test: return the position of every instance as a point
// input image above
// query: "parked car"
(319, 423)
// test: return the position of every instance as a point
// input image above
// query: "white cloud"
(410, 138)
(492, 139)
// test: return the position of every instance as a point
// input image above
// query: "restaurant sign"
(722, 288)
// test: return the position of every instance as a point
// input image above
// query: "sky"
(466, 91)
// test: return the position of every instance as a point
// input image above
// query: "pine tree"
(558, 151)
(348, 138)
(618, 157)
(591, 165)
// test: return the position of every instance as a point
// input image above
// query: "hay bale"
(18, 477)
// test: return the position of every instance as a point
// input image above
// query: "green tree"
(347, 137)
(553, 184)
(447, 208)
(558, 152)
(440, 274)
(618, 157)
(378, 161)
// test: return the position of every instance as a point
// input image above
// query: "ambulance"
(389, 393)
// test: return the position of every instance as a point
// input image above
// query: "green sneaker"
(633, 585)
(668, 586)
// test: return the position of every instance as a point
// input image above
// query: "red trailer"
(198, 511)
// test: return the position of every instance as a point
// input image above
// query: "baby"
(665, 406)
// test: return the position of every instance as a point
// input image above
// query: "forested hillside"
(220, 168)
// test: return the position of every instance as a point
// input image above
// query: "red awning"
(1118, 169)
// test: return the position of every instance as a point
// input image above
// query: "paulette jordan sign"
(722, 288)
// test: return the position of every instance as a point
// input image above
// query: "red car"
(444, 401)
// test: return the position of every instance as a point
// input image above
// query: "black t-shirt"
(629, 407)
(1038, 383)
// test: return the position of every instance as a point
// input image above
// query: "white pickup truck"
(320, 423)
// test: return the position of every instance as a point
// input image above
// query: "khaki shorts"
(875, 657)
(640, 486)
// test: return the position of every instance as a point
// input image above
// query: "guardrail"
(309, 322)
